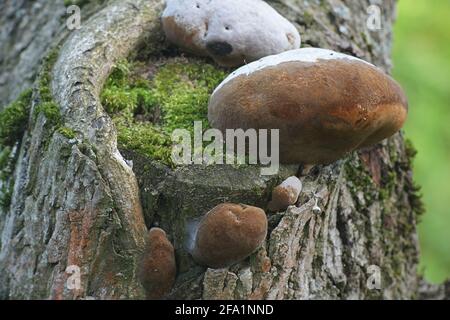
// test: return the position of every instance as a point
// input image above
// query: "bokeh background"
(421, 56)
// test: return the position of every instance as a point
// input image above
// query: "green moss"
(6, 182)
(5, 162)
(51, 112)
(14, 119)
(6, 195)
(414, 190)
(126, 92)
(410, 151)
(13, 122)
(147, 111)
(183, 91)
(308, 18)
(360, 180)
(145, 139)
(6, 169)
(67, 132)
(45, 76)
(47, 105)
(120, 75)
(116, 99)
(389, 181)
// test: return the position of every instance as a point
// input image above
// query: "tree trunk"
(77, 202)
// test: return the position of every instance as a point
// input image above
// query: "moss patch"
(67, 132)
(146, 139)
(51, 112)
(13, 122)
(6, 170)
(45, 76)
(413, 190)
(47, 105)
(147, 104)
(360, 180)
(14, 119)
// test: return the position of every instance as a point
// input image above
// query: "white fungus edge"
(310, 55)
(294, 183)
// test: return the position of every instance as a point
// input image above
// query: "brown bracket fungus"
(325, 104)
(229, 233)
(232, 32)
(157, 270)
(286, 194)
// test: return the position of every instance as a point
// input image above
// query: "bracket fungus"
(157, 269)
(232, 32)
(325, 104)
(286, 194)
(229, 233)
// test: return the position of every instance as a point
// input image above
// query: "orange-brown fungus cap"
(324, 103)
(286, 194)
(228, 234)
(157, 270)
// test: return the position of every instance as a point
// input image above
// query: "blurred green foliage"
(422, 65)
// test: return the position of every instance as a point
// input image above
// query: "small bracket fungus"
(157, 269)
(229, 233)
(230, 31)
(325, 104)
(286, 194)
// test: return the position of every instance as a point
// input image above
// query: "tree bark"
(78, 202)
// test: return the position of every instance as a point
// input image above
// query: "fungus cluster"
(228, 234)
(232, 32)
(157, 269)
(325, 104)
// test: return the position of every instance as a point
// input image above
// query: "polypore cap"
(229, 233)
(286, 194)
(229, 31)
(325, 104)
(301, 55)
(157, 268)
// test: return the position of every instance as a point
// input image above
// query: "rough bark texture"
(77, 202)
(22, 46)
